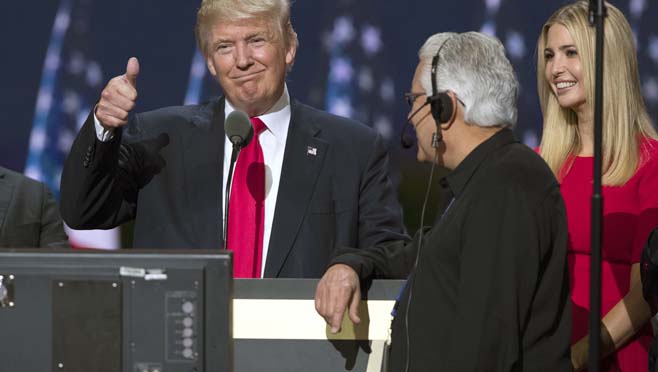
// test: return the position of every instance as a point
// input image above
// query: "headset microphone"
(441, 103)
(405, 140)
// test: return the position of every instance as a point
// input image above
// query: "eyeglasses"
(407, 140)
(411, 97)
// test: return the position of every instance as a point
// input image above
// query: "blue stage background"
(356, 58)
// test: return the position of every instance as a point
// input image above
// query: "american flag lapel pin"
(312, 151)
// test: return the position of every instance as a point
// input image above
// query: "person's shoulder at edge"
(26, 187)
(648, 162)
(17, 178)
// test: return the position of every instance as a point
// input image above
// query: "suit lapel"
(302, 162)
(6, 189)
(203, 167)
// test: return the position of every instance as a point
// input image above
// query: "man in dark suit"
(29, 217)
(324, 178)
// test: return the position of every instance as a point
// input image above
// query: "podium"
(276, 328)
(173, 311)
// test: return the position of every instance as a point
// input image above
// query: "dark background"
(160, 34)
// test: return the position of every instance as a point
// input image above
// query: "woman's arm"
(619, 325)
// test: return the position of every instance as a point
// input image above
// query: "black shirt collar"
(459, 177)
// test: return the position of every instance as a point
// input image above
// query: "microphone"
(405, 140)
(239, 131)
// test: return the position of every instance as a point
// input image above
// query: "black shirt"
(490, 291)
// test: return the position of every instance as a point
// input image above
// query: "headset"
(442, 104)
(442, 107)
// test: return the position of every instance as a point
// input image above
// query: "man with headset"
(487, 285)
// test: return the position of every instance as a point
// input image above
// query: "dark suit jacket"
(29, 217)
(340, 195)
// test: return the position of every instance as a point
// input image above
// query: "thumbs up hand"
(118, 98)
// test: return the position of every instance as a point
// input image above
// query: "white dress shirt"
(273, 143)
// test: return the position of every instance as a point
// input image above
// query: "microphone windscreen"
(238, 128)
(406, 141)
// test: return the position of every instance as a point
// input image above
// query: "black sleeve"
(390, 260)
(380, 215)
(101, 180)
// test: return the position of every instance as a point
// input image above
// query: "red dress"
(630, 212)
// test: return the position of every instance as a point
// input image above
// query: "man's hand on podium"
(338, 288)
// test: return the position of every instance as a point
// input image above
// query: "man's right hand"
(338, 288)
(118, 97)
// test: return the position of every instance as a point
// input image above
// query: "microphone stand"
(229, 183)
(597, 14)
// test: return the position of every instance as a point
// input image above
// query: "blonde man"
(315, 180)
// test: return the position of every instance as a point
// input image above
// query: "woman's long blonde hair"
(625, 118)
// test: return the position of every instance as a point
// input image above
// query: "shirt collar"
(459, 177)
(277, 118)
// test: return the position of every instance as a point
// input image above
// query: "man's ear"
(291, 51)
(211, 66)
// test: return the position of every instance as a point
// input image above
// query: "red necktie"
(247, 208)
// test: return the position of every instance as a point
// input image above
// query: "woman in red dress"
(630, 175)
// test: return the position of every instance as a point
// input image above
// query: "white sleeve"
(103, 134)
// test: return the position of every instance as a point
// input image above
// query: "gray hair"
(212, 11)
(474, 67)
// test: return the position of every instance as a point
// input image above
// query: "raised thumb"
(132, 70)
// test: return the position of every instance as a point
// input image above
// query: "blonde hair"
(213, 11)
(625, 119)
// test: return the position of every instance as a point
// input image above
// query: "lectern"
(173, 311)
